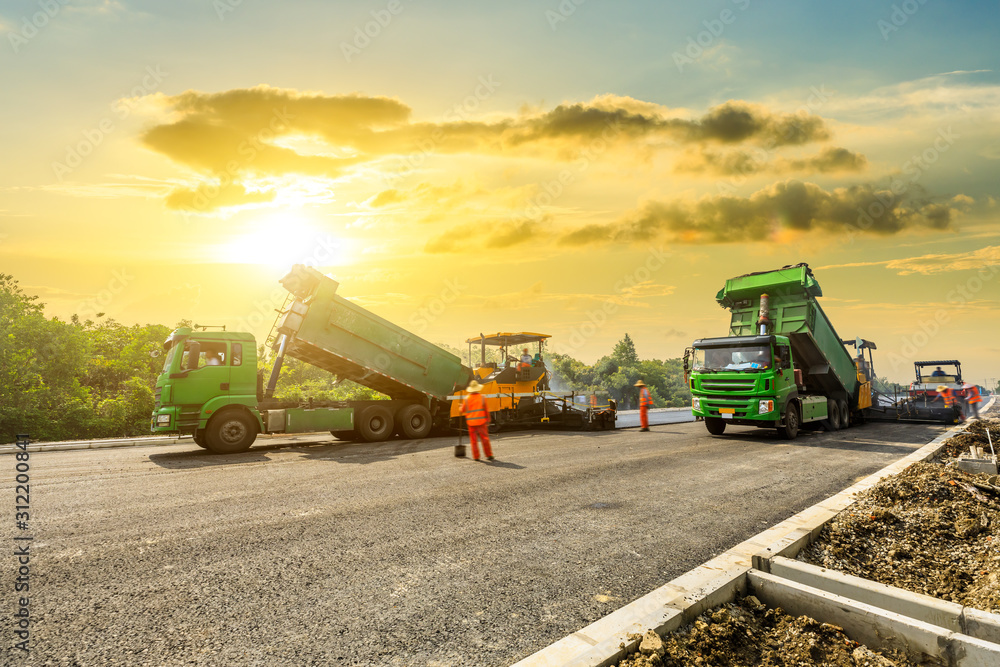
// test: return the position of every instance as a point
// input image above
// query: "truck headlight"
(765, 407)
(163, 420)
(696, 404)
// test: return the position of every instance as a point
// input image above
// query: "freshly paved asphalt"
(313, 551)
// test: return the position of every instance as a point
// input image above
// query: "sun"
(281, 240)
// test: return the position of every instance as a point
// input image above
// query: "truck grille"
(729, 384)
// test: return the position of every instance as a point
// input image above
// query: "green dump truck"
(210, 386)
(782, 365)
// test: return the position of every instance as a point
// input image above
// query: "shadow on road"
(332, 450)
(504, 464)
(200, 458)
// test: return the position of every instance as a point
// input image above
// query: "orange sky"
(169, 164)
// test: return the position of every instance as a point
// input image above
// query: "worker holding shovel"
(477, 417)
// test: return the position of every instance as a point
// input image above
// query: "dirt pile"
(745, 633)
(975, 434)
(932, 529)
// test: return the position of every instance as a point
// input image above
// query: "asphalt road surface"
(321, 552)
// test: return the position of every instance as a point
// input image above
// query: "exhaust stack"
(762, 320)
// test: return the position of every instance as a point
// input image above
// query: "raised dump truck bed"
(332, 333)
(793, 311)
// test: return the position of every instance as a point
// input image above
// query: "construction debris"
(932, 529)
(745, 633)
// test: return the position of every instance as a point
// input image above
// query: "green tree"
(625, 353)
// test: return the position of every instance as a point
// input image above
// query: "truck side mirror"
(194, 352)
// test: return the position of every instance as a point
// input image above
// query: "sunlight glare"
(282, 240)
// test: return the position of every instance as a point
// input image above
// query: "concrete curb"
(605, 641)
(96, 444)
(872, 626)
(635, 412)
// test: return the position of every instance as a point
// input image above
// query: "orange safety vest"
(475, 410)
(593, 400)
(949, 398)
(645, 400)
(974, 396)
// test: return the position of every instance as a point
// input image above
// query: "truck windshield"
(737, 358)
(169, 356)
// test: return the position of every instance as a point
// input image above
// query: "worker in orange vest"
(949, 399)
(645, 403)
(477, 417)
(593, 401)
(973, 398)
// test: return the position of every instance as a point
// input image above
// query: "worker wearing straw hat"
(645, 403)
(477, 417)
(949, 399)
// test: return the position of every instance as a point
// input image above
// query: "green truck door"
(207, 382)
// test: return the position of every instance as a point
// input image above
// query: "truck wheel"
(845, 414)
(375, 424)
(832, 422)
(413, 421)
(347, 436)
(791, 427)
(715, 425)
(230, 432)
(199, 439)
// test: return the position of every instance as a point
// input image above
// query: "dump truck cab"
(205, 376)
(748, 381)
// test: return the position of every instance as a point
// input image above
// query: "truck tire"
(374, 424)
(845, 414)
(715, 425)
(791, 426)
(230, 432)
(199, 439)
(832, 421)
(413, 422)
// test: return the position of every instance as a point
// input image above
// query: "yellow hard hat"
(474, 387)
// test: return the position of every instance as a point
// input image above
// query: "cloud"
(241, 135)
(491, 235)
(209, 196)
(932, 263)
(748, 162)
(945, 263)
(785, 206)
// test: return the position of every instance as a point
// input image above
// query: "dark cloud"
(237, 135)
(789, 205)
(746, 163)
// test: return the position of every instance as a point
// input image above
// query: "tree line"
(82, 379)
